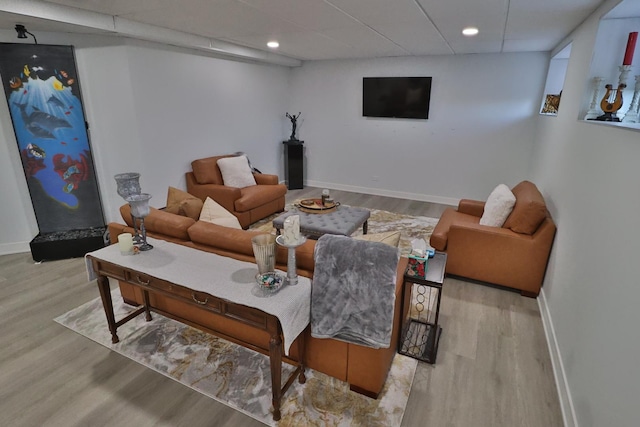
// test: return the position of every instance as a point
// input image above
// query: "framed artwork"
(43, 94)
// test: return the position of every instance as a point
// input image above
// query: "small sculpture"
(294, 123)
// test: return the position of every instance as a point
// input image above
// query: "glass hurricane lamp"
(129, 183)
(139, 204)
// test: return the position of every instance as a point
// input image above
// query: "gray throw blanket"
(353, 290)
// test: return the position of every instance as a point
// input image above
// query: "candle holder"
(128, 184)
(593, 110)
(292, 275)
(140, 209)
(632, 112)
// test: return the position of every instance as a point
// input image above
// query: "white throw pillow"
(236, 172)
(498, 206)
(216, 214)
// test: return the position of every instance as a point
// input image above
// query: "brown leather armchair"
(514, 255)
(249, 204)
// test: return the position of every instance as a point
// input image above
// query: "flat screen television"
(398, 97)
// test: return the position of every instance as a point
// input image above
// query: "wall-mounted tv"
(398, 97)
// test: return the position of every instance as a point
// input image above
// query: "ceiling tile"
(117, 7)
(219, 18)
(296, 45)
(382, 12)
(311, 15)
(418, 39)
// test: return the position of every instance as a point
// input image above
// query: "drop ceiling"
(316, 29)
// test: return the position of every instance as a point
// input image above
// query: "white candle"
(292, 230)
(125, 242)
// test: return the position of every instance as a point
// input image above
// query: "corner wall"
(589, 175)
(153, 109)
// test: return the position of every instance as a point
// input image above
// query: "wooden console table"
(154, 272)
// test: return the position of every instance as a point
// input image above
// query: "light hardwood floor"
(493, 367)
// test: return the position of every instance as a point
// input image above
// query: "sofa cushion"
(236, 172)
(206, 170)
(529, 211)
(182, 203)
(440, 234)
(214, 213)
(498, 206)
(391, 238)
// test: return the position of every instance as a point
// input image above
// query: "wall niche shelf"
(615, 62)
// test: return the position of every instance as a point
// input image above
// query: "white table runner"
(220, 276)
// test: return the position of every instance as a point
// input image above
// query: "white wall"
(479, 133)
(153, 109)
(589, 175)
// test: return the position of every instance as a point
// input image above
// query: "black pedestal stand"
(294, 164)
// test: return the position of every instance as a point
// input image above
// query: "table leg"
(365, 227)
(301, 358)
(105, 295)
(147, 304)
(275, 358)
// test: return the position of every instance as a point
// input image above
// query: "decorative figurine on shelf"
(612, 100)
(294, 124)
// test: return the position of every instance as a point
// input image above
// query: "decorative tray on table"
(316, 206)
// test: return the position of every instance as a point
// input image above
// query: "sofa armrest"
(471, 207)
(265, 179)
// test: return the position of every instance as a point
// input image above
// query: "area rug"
(410, 227)
(238, 377)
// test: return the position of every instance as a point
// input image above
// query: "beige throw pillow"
(498, 206)
(391, 238)
(182, 203)
(214, 213)
(236, 172)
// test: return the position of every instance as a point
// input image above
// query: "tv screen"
(399, 97)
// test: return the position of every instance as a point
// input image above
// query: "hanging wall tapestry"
(43, 93)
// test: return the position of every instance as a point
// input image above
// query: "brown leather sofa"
(514, 255)
(364, 368)
(249, 204)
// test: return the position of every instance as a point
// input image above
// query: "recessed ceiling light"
(273, 44)
(470, 31)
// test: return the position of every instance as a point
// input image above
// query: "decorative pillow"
(236, 172)
(182, 203)
(498, 206)
(391, 238)
(216, 214)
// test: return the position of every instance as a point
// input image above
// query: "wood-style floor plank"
(493, 367)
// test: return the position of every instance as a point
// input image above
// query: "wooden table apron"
(216, 306)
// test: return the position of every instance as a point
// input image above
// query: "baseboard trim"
(564, 393)
(14, 248)
(387, 193)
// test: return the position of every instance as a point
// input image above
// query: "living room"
(154, 108)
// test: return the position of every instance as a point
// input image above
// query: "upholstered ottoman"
(343, 221)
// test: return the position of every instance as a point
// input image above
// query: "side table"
(420, 332)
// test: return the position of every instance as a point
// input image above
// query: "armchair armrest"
(225, 196)
(265, 179)
(471, 207)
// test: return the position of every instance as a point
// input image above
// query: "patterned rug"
(410, 227)
(238, 377)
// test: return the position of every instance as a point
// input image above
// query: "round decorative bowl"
(270, 281)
